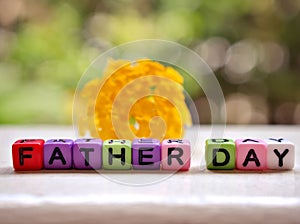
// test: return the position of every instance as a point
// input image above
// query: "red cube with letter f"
(28, 154)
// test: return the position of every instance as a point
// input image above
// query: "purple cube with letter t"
(58, 154)
(87, 154)
(146, 154)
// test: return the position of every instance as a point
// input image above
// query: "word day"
(249, 154)
(140, 154)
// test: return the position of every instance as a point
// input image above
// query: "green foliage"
(47, 45)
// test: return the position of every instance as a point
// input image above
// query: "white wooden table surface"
(196, 196)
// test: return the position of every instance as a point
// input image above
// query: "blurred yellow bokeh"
(134, 99)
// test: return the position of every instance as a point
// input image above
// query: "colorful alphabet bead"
(116, 154)
(251, 154)
(281, 154)
(175, 154)
(220, 154)
(87, 154)
(58, 154)
(146, 154)
(28, 154)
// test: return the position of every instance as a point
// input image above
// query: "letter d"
(226, 154)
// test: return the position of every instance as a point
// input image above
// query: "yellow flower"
(143, 98)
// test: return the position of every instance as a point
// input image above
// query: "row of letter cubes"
(249, 154)
(220, 154)
(142, 154)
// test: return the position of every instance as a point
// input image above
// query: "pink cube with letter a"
(175, 154)
(251, 154)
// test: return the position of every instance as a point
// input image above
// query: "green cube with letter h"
(116, 154)
(220, 154)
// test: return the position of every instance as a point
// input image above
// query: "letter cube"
(220, 154)
(87, 154)
(28, 154)
(251, 154)
(175, 154)
(146, 154)
(116, 154)
(58, 154)
(281, 154)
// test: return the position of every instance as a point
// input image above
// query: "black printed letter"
(57, 154)
(111, 156)
(86, 155)
(280, 156)
(219, 140)
(251, 156)
(141, 156)
(227, 157)
(22, 156)
(170, 156)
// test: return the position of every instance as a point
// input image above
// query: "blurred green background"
(252, 46)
